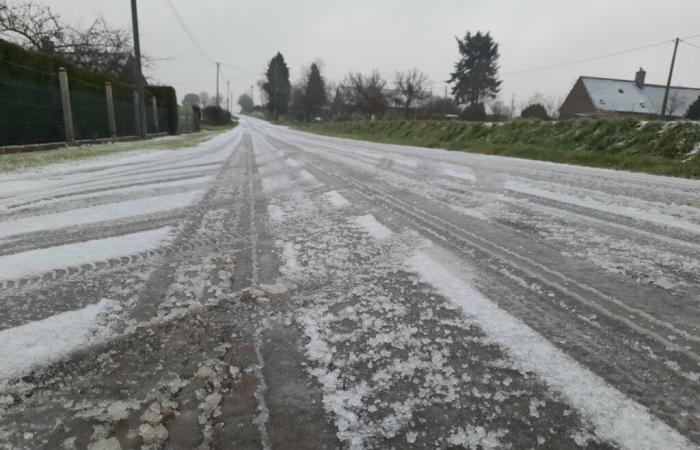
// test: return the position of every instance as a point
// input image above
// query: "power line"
(195, 42)
(188, 31)
(663, 49)
(692, 45)
(594, 58)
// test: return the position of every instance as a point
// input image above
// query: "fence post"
(65, 101)
(154, 103)
(137, 113)
(110, 110)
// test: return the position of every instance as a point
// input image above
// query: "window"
(602, 101)
(621, 91)
(642, 104)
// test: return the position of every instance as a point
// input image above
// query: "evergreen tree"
(694, 110)
(316, 97)
(277, 86)
(476, 72)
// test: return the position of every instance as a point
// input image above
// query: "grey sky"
(398, 34)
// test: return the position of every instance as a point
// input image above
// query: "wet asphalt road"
(277, 289)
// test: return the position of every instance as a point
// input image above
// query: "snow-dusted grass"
(615, 417)
(657, 147)
(17, 161)
(49, 340)
(100, 213)
(35, 262)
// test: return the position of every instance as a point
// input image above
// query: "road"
(277, 289)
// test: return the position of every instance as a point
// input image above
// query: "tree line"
(474, 83)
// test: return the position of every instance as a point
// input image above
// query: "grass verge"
(661, 148)
(18, 161)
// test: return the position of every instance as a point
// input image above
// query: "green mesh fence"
(30, 101)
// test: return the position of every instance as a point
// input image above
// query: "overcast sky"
(398, 34)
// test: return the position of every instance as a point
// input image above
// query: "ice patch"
(615, 417)
(35, 262)
(46, 341)
(101, 213)
(336, 200)
(372, 227)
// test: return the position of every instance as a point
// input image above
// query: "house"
(592, 96)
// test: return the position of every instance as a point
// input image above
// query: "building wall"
(577, 102)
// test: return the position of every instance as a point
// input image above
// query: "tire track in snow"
(615, 417)
(521, 263)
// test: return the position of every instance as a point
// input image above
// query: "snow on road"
(45, 341)
(36, 262)
(97, 214)
(362, 349)
(615, 417)
(457, 300)
(372, 227)
(336, 199)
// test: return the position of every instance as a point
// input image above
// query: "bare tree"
(551, 104)
(411, 84)
(675, 103)
(499, 109)
(35, 26)
(366, 93)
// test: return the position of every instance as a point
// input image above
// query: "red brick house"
(593, 96)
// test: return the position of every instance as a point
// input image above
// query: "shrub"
(535, 111)
(215, 115)
(474, 112)
(694, 110)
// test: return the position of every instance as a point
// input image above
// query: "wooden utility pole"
(110, 110)
(140, 88)
(65, 102)
(670, 77)
(217, 84)
(228, 95)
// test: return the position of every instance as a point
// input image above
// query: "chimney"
(640, 77)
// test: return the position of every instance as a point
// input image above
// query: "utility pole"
(140, 87)
(228, 95)
(217, 83)
(670, 77)
(251, 94)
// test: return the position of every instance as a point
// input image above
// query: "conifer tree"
(316, 97)
(475, 76)
(277, 86)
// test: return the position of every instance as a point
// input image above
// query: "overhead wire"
(579, 61)
(195, 42)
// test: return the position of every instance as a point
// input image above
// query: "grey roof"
(625, 96)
